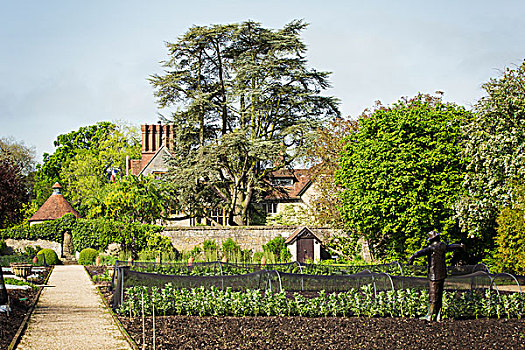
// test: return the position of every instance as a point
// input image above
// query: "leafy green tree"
(83, 162)
(88, 173)
(132, 199)
(496, 151)
(67, 147)
(245, 102)
(401, 173)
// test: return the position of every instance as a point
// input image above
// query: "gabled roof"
(55, 207)
(301, 232)
(157, 161)
(301, 183)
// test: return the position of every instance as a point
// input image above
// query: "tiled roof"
(55, 207)
(301, 232)
(301, 181)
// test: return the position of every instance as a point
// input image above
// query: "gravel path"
(70, 315)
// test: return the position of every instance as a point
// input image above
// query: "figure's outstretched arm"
(456, 246)
(422, 252)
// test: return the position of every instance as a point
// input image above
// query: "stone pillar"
(67, 246)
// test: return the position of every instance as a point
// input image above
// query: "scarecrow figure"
(437, 271)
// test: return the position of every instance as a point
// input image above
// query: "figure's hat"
(432, 235)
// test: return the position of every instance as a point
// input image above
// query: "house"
(292, 187)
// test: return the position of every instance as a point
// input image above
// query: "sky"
(67, 64)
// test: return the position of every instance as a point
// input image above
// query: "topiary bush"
(87, 256)
(51, 257)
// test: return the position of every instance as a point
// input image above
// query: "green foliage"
(277, 247)
(495, 150)
(239, 91)
(363, 302)
(290, 215)
(95, 233)
(3, 246)
(510, 237)
(83, 161)
(132, 199)
(401, 173)
(229, 246)
(209, 245)
(87, 256)
(67, 147)
(50, 255)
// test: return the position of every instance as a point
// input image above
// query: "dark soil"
(191, 332)
(19, 309)
(21, 301)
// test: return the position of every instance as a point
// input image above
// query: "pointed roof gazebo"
(55, 207)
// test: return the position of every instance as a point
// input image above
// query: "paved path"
(71, 315)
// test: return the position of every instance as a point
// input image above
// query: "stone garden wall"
(252, 237)
(14, 245)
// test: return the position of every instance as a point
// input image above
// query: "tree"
(67, 147)
(87, 174)
(23, 157)
(325, 153)
(496, 151)
(245, 102)
(84, 160)
(401, 172)
(131, 199)
(13, 193)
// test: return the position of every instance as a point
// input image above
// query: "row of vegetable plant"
(362, 302)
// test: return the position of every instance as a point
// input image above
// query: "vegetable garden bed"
(309, 332)
(21, 301)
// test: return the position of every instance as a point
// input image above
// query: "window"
(218, 215)
(270, 208)
(286, 181)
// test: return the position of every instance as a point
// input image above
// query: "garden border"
(22, 328)
(119, 324)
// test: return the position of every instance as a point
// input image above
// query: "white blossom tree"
(495, 147)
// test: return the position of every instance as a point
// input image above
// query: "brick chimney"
(153, 137)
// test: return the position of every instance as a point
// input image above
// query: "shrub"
(3, 246)
(510, 241)
(277, 249)
(51, 257)
(87, 256)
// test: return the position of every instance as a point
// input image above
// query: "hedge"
(94, 233)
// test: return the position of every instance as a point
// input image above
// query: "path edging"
(119, 324)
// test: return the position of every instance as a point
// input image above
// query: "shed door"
(305, 249)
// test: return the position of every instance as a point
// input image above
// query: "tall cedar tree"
(244, 104)
(401, 173)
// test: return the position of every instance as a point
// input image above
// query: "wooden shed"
(304, 245)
